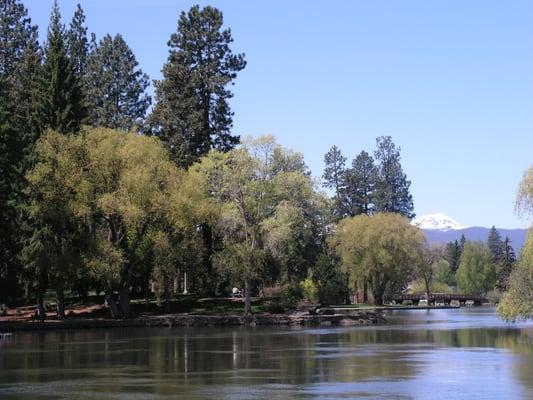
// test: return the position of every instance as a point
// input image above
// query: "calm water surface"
(437, 354)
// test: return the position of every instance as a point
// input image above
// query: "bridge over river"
(444, 298)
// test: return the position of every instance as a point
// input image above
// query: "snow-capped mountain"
(437, 221)
(439, 228)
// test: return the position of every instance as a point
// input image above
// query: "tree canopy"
(382, 251)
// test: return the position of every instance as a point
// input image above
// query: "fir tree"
(495, 245)
(27, 92)
(10, 179)
(506, 265)
(360, 185)
(61, 102)
(77, 43)
(16, 32)
(452, 254)
(462, 242)
(116, 87)
(192, 114)
(392, 189)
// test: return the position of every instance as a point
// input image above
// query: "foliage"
(517, 303)
(419, 286)
(77, 44)
(358, 194)
(16, 32)
(61, 103)
(125, 191)
(309, 289)
(116, 88)
(476, 273)
(444, 273)
(452, 254)
(192, 114)
(267, 209)
(10, 153)
(505, 266)
(331, 282)
(392, 194)
(382, 251)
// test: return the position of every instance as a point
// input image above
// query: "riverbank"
(183, 320)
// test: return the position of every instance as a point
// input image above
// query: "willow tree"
(264, 196)
(382, 251)
(517, 303)
(126, 192)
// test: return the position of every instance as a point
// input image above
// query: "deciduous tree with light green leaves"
(126, 192)
(517, 303)
(477, 273)
(266, 201)
(383, 251)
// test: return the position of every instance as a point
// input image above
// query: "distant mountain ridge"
(439, 228)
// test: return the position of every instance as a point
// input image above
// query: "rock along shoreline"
(186, 320)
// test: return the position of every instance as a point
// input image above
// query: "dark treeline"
(99, 195)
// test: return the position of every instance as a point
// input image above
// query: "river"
(420, 354)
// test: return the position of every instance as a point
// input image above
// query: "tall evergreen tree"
(506, 265)
(495, 245)
(192, 114)
(452, 254)
(360, 185)
(392, 191)
(27, 93)
(116, 87)
(77, 43)
(61, 102)
(462, 242)
(9, 181)
(334, 170)
(16, 31)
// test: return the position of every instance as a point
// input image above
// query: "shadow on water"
(420, 354)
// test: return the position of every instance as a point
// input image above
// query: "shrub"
(309, 289)
(290, 296)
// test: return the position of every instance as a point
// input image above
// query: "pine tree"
(10, 179)
(334, 170)
(192, 114)
(61, 102)
(77, 43)
(16, 32)
(116, 87)
(27, 92)
(462, 242)
(506, 265)
(392, 189)
(495, 245)
(452, 254)
(360, 185)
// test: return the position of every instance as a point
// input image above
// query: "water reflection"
(436, 354)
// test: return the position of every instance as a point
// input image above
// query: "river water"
(433, 354)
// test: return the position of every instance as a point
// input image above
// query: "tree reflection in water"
(416, 353)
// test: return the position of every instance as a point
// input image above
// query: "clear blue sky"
(450, 81)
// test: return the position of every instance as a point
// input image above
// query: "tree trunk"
(112, 304)
(378, 293)
(428, 289)
(40, 303)
(124, 300)
(60, 301)
(365, 292)
(247, 298)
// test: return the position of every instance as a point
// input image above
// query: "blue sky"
(450, 81)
